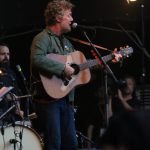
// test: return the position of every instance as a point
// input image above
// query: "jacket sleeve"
(39, 49)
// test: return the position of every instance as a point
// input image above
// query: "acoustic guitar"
(59, 87)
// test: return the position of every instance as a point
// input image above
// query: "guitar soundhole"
(76, 68)
(66, 81)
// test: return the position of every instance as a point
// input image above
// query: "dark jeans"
(57, 122)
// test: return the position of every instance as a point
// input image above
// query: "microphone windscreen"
(74, 25)
(18, 67)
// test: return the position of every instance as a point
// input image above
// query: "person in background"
(125, 98)
(8, 79)
(128, 131)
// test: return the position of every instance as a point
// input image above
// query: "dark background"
(21, 20)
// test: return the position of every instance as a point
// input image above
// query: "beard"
(5, 64)
(66, 30)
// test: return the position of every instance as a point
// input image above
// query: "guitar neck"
(95, 62)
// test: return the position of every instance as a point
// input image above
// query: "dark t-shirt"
(118, 108)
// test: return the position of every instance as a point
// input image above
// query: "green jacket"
(44, 43)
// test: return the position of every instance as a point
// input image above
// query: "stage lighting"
(128, 1)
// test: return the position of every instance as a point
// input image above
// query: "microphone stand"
(83, 138)
(143, 40)
(26, 89)
(107, 70)
(138, 43)
(14, 145)
(28, 99)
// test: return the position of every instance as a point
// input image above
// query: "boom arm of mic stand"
(107, 70)
(140, 45)
(100, 57)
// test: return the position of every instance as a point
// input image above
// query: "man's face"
(4, 54)
(66, 21)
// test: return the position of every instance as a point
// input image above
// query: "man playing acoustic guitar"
(51, 54)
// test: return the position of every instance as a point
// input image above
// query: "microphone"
(13, 141)
(75, 25)
(21, 73)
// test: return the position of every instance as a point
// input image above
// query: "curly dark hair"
(56, 8)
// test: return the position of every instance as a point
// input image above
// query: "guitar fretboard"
(95, 62)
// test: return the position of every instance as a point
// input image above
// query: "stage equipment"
(87, 43)
(128, 1)
(4, 90)
(20, 137)
(106, 71)
(28, 96)
(141, 42)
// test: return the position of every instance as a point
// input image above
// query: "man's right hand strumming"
(68, 71)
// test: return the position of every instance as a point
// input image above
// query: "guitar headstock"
(126, 51)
